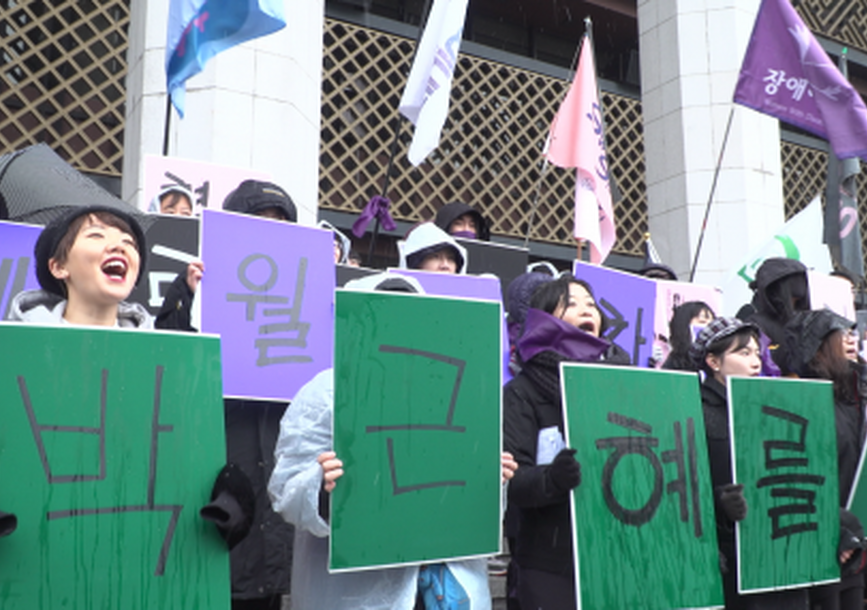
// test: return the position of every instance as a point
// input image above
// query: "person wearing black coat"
(261, 562)
(729, 347)
(817, 344)
(562, 325)
(780, 291)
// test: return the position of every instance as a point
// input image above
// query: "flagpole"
(167, 123)
(535, 207)
(398, 126)
(710, 196)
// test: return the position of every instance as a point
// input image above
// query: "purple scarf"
(544, 332)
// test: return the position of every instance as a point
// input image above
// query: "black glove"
(564, 473)
(731, 499)
(851, 539)
(8, 523)
(233, 505)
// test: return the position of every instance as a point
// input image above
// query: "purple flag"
(268, 292)
(17, 271)
(788, 75)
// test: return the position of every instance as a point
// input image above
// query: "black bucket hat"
(49, 239)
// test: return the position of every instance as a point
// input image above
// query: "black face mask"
(789, 295)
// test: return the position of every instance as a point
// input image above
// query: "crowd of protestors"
(275, 510)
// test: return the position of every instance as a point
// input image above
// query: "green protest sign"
(109, 445)
(643, 517)
(784, 448)
(857, 502)
(417, 424)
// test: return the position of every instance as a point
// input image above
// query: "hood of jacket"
(42, 307)
(428, 238)
(805, 333)
(450, 212)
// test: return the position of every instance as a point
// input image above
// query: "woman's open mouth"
(115, 268)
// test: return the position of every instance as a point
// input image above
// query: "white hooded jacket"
(43, 307)
(429, 237)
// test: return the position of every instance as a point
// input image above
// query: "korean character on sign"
(46, 438)
(685, 485)
(446, 425)
(797, 86)
(774, 79)
(799, 487)
(293, 332)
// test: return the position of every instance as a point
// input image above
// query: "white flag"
(425, 100)
(800, 238)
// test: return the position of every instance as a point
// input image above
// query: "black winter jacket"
(544, 539)
(716, 426)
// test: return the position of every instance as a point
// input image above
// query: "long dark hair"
(679, 333)
(551, 295)
(830, 362)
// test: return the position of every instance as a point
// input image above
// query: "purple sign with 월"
(17, 270)
(268, 291)
(466, 287)
(628, 303)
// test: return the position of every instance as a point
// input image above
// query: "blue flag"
(199, 29)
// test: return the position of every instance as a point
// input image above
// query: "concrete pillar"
(691, 51)
(256, 105)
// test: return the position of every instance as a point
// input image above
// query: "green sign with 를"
(784, 450)
(109, 445)
(643, 516)
(417, 396)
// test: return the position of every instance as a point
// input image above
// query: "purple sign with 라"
(268, 291)
(628, 303)
(17, 269)
(788, 75)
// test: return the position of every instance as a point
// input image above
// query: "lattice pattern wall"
(490, 151)
(63, 66)
(843, 20)
(805, 171)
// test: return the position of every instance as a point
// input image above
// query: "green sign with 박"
(417, 394)
(643, 516)
(784, 450)
(109, 445)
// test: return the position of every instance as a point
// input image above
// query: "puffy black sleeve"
(531, 486)
(175, 312)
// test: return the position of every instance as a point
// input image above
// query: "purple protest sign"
(787, 74)
(268, 291)
(467, 287)
(628, 303)
(17, 271)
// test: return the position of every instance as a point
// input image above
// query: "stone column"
(256, 105)
(691, 51)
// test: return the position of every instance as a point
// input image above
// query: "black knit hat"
(49, 239)
(253, 196)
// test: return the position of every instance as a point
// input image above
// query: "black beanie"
(252, 196)
(49, 239)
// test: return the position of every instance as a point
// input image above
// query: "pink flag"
(577, 140)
